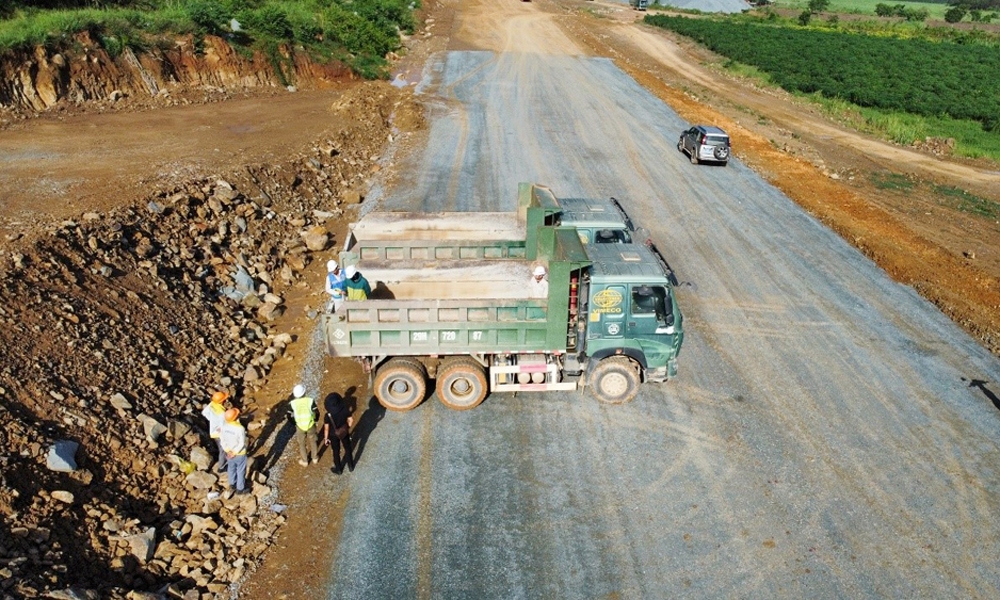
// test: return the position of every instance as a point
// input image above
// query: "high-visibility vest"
(302, 410)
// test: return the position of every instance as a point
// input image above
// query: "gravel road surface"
(830, 433)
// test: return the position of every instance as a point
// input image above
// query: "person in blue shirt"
(335, 286)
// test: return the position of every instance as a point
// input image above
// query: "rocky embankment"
(117, 326)
(85, 72)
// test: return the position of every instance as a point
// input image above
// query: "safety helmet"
(232, 414)
(220, 396)
(350, 271)
(539, 270)
(331, 265)
(299, 390)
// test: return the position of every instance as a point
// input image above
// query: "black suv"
(705, 143)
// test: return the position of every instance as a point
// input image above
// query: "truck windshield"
(613, 236)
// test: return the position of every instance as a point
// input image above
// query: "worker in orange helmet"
(234, 443)
(214, 413)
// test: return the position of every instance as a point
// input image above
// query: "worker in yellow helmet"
(234, 442)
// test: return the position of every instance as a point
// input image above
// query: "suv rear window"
(715, 140)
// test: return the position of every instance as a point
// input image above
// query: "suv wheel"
(721, 153)
(694, 157)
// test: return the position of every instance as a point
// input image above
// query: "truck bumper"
(661, 374)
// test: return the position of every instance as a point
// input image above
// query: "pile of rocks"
(935, 145)
(117, 327)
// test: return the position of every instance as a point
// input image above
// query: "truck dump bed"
(416, 280)
(399, 226)
(460, 307)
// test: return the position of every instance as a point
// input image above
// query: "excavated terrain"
(118, 324)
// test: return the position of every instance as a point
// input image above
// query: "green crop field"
(936, 10)
(913, 75)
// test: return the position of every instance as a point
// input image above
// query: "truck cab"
(630, 309)
(597, 221)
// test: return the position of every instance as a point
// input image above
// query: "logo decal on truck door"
(608, 301)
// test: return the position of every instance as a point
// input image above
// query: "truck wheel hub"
(614, 384)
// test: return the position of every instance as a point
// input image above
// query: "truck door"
(607, 310)
(650, 318)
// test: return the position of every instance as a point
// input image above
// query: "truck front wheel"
(615, 380)
(461, 384)
(401, 384)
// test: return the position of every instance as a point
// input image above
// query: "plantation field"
(936, 10)
(910, 75)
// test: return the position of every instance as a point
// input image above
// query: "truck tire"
(461, 384)
(615, 380)
(401, 384)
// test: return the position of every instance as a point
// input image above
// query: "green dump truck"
(394, 236)
(609, 322)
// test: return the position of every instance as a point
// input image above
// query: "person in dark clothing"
(337, 429)
(356, 285)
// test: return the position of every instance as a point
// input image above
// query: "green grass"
(962, 200)
(894, 182)
(867, 7)
(971, 141)
(948, 196)
(359, 33)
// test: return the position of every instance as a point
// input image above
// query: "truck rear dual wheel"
(401, 384)
(461, 383)
(615, 380)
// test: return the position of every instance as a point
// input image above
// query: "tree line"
(910, 75)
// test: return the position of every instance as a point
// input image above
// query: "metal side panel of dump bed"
(394, 236)
(442, 327)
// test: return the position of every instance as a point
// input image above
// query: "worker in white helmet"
(335, 286)
(538, 287)
(306, 415)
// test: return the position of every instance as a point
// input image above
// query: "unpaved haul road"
(829, 434)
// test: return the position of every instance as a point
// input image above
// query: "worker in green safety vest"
(304, 412)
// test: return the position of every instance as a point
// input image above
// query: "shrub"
(268, 21)
(954, 14)
(210, 16)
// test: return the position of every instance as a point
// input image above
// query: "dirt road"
(830, 435)
(57, 167)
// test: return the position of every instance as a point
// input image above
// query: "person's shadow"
(979, 383)
(277, 420)
(381, 292)
(366, 425)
